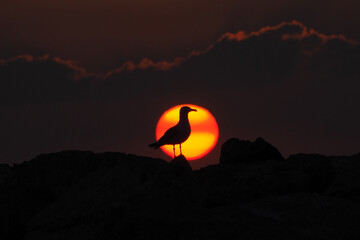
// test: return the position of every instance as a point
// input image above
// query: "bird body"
(178, 133)
(174, 135)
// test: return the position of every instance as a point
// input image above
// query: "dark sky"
(102, 34)
(73, 74)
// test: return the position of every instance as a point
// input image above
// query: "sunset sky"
(97, 75)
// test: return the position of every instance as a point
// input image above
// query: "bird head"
(185, 110)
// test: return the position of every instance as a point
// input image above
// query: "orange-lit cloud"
(253, 58)
(147, 64)
(79, 72)
(285, 31)
(286, 82)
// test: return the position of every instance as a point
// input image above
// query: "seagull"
(178, 133)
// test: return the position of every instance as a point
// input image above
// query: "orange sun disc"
(204, 132)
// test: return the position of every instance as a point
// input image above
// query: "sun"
(204, 132)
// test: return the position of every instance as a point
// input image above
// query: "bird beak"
(193, 109)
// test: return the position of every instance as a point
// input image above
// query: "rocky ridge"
(253, 193)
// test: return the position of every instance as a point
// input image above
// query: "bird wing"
(169, 137)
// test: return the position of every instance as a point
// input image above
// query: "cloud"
(271, 55)
(270, 51)
(45, 79)
(119, 31)
(145, 64)
(288, 83)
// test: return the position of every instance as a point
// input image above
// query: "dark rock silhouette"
(181, 163)
(347, 181)
(251, 194)
(240, 151)
(4, 171)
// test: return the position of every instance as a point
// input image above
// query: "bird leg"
(180, 150)
(174, 149)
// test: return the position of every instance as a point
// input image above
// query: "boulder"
(310, 215)
(5, 172)
(237, 151)
(347, 182)
(235, 183)
(317, 171)
(181, 163)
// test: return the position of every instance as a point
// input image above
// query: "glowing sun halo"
(204, 132)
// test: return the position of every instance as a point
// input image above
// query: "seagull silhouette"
(178, 133)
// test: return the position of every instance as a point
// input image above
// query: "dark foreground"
(252, 194)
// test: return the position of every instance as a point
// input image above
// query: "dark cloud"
(101, 35)
(25, 79)
(292, 85)
(270, 55)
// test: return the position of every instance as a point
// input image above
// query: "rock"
(34, 185)
(180, 162)
(139, 193)
(177, 182)
(83, 195)
(228, 184)
(5, 172)
(310, 215)
(77, 232)
(237, 151)
(101, 194)
(235, 183)
(47, 177)
(56, 172)
(316, 170)
(347, 182)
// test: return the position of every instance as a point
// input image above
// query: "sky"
(97, 75)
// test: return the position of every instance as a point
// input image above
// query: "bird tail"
(154, 145)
